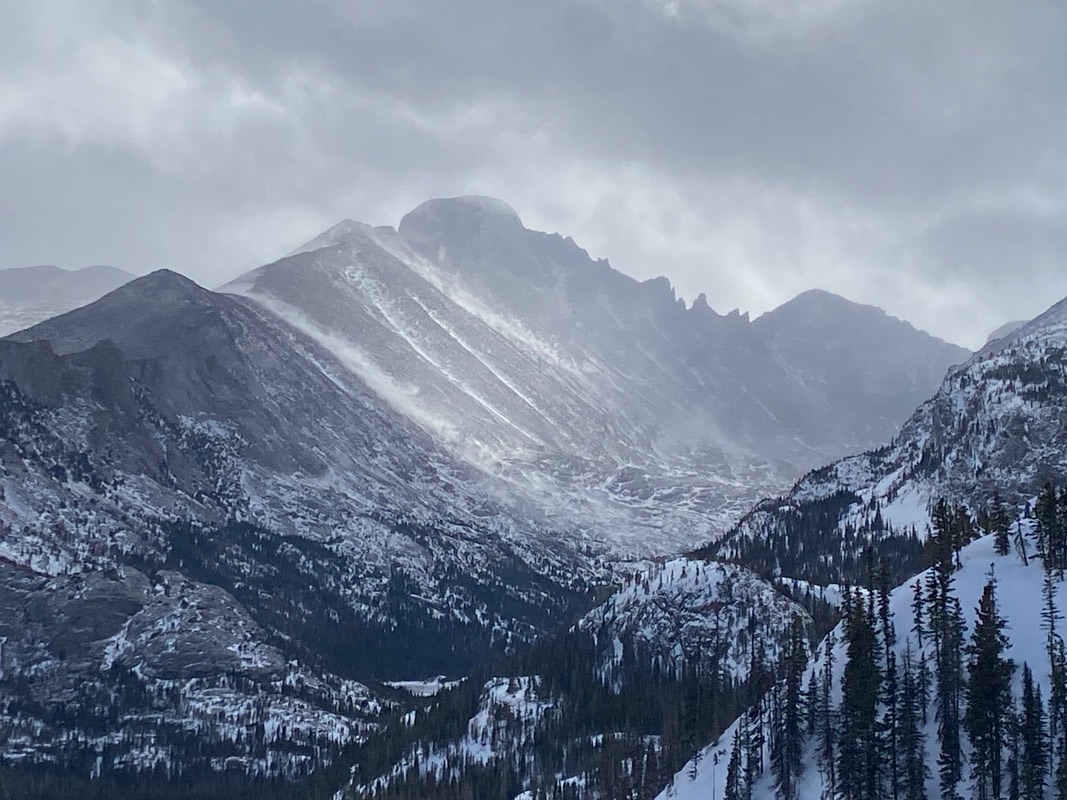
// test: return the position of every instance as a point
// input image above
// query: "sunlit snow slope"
(604, 400)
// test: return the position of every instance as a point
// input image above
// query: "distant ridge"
(29, 295)
(1006, 329)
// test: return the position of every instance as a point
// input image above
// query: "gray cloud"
(904, 153)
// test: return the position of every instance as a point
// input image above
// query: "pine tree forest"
(938, 711)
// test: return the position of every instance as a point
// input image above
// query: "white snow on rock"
(690, 611)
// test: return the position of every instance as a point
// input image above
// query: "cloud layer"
(903, 153)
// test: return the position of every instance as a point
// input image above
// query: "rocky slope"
(119, 670)
(171, 436)
(692, 614)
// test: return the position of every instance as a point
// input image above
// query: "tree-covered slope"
(951, 685)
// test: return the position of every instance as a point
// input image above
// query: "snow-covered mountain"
(390, 455)
(29, 295)
(598, 397)
(167, 429)
(993, 429)
(180, 406)
(997, 426)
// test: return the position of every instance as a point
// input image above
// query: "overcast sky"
(906, 153)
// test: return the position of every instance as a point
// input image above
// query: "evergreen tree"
(1013, 724)
(746, 766)
(911, 740)
(789, 738)
(759, 683)
(1050, 619)
(1020, 542)
(811, 705)
(858, 767)
(1058, 716)
(827, 727)
(694, 764)
(888, 726)
(1000, 524)
(962, 532)
(949, 690)
(732, 789)
(1049, 529)
(917, 601)
(988, 694)
(1033, 745)
(946, 629)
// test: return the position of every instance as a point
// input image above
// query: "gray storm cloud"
(907, 154)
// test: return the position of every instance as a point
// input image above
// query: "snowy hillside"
(1020, 599)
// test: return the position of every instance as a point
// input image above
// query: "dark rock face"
(115, 661)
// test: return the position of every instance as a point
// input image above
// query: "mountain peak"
(344, 231)
(465, 216)
(820, 299)
(127, 314)
(162, 285)
(700, 304)
(490, 208)
(1007, 329)
(818, 308)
